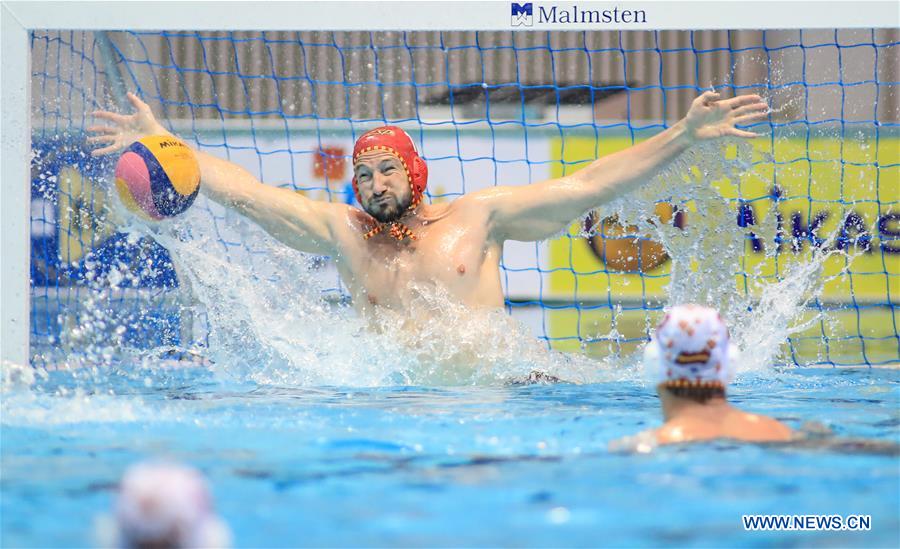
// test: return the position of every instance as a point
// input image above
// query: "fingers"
(754, 117)
(102, 139)
(751, 108)
(137, 103)
(709, 97)
(114, 144)
(741, 100)
(742, 133)
(120, 118)
(111, 116)
(104, 150)
(103, 129)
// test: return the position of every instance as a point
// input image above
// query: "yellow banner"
(815, 195)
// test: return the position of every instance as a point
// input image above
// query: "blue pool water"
(455, 466)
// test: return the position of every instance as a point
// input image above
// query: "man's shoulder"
(755, 426)
(467, 204)
(350, 221)
(686, 430)
(442, 210)
(357, 220)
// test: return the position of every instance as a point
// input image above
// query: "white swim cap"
(691, 346)
(167, 505)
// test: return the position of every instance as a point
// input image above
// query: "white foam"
(29, 407)
(708, 252)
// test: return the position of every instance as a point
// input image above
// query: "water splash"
(26, 400)
(707, 252)
(268, 322)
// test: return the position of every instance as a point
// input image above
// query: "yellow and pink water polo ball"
(158, 177)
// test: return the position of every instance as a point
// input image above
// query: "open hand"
(126, 129)
(711, 118)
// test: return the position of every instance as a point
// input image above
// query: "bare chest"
(385, 270)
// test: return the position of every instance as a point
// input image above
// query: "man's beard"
(389, 211)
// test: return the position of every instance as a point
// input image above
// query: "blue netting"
(484, 109)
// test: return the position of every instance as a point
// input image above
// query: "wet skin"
(453, 246)
(690, 421)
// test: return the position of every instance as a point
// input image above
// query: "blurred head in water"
(691, 355)
(164, 505)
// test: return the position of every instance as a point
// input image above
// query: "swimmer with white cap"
(164, 505)
(691, 358)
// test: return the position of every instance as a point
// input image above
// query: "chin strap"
(684, 383)
(396, 229)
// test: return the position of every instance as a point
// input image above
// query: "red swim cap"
(397, 142)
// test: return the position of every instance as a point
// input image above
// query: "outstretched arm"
(295, 220)
(541, 210)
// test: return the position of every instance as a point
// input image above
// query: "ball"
(158, 177)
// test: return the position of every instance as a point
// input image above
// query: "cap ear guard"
(734, 356)
(653, 368)
(419, 178)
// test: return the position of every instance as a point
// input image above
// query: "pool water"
(453, 466)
